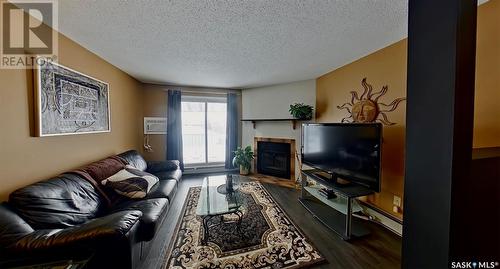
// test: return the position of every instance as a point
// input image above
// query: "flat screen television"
(349, 151)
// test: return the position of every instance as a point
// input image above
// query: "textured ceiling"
(232, 43)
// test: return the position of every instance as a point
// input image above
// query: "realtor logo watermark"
(27, 32)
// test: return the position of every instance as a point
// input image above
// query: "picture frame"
(68, 102)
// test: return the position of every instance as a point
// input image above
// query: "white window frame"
(205, 99)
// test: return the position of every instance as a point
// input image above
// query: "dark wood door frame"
(439, 123)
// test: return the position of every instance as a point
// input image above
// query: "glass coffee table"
(216, 201)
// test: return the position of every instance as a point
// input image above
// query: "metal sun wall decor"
(367, 108)
(69, 102)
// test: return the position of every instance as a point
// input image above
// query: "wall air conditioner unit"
(155, 125)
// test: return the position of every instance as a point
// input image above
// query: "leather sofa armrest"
(160, 166)
(12, 226)
(113, 227)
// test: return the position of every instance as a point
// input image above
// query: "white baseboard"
(383, 220)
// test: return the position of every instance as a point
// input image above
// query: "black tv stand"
(341, 223)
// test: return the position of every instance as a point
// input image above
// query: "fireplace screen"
(273, 159)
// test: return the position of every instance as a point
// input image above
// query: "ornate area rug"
(267, 237)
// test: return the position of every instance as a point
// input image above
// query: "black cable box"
(327, 193)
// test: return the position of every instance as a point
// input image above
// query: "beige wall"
(25, 159)
(155, 105)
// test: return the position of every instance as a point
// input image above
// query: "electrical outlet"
(395, 209)
(396, 201)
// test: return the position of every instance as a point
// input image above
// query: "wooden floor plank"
(381, 249)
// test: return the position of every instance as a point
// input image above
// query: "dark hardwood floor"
(381, 249)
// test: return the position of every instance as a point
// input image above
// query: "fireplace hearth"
(275, 157)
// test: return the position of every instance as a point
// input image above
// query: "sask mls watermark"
(474, 264)
(28, 29)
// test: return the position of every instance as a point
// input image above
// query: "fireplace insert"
(273, 159)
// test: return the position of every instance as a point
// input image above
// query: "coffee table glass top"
(212, 202)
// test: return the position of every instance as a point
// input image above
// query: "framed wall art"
(69, 102)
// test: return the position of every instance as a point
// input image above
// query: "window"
(203, 130)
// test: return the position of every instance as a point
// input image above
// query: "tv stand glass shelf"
(335, 213)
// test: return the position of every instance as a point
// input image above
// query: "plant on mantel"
(243, 158)
(301, 111)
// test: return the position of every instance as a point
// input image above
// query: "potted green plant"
(243, 158)
(301, 111)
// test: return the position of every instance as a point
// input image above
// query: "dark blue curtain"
(231, 129)
(174, 127)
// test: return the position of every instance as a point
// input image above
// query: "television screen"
(346, 150)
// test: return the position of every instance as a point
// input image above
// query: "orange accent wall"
(487, 99)
(388, 67)
(384, 67)
(25, 159)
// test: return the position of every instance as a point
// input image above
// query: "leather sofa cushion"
(105, 168)
(60, 202)
(135, 159)
(167, 175)
(159, 166)
(164, 189)
(153, 212)
(131, 182)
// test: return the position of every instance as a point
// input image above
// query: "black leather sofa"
(66, 216)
